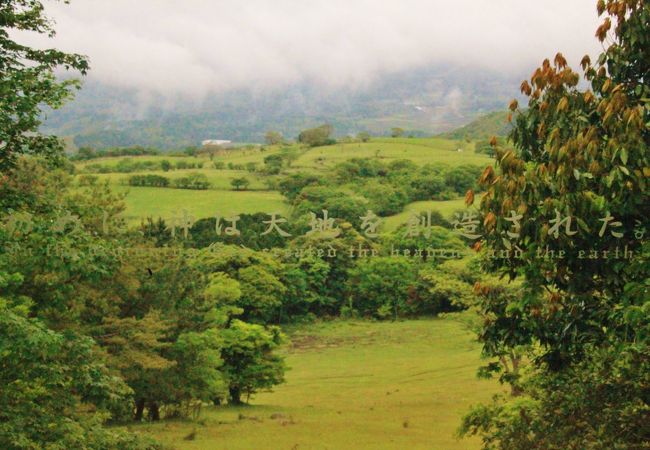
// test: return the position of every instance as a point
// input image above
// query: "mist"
(192, 48)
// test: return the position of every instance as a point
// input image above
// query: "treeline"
(326, 275)
(197, 181)
(128, 165)
(88, 153)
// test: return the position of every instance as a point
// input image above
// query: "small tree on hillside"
(396, 132)
(240, 184)
(273, 138)
(363, 136)
(315, 137)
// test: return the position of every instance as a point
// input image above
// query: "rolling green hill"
(484, 127)
(143, 202)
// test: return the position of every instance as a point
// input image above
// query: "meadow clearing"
(353, 385)
(350, 384)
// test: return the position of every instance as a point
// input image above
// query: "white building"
(215, 142)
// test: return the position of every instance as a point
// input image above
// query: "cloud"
(190, 48)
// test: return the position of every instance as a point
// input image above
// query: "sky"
(195, 47)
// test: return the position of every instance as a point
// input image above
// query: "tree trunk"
(139, 410)
(154, 412)
(235, 395)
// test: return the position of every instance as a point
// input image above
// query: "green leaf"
(582, 224)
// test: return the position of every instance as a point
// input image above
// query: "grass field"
(420, 151)
(352, 386)
(142, 202)
(445, 207)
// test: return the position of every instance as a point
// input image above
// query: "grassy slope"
(420, 151)
(354, 385)
(447, 208)
(484, 127)
(143, 202)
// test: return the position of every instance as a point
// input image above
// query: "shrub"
(148, 180)
(196, 181)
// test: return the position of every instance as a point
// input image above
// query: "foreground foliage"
(581, 322)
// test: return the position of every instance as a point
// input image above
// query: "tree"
(583, 155)
(385, 199)
(27, 82)
(273, 164)
(291, 185)
(328, 265)
(462, 178)
(48, 380)
(446, 287)
(379, 286)
(258, 277)
(243, 284)
(240, 183)
(290, 155)
(316, 137)
(249, 360)
(396, 132)
(363, 136)
(273, 138)
(339, 203)
(165, 165)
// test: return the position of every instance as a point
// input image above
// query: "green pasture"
(445, 207)
(420, 151)
(353, 385)
(142, 202)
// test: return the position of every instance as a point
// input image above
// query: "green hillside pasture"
(433, 142)
(420, 153)
(447, 208)
(354, 385)
(142, 202)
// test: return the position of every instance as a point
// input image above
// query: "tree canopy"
(576, 180)
(28, 82)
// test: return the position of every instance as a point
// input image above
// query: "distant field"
(354, 385)
(420, 151)
(433, 142)
(143, 202)
(445, 207)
